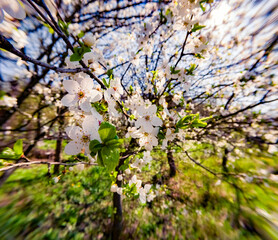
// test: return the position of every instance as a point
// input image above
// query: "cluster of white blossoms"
(127, 105)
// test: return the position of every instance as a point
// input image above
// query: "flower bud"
(89, 39)
(120, 177)
(114, 188)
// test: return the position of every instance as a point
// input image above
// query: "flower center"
(85, 139)
(147, 118)
(81, 94)
(115, 89)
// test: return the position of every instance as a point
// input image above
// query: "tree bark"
(171, 162)
(58, 152)
(118, 215)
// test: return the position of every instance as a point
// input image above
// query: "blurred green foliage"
(193, 205)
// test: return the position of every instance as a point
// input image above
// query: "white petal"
(141, 111)
(147, 188)
(85, 105)
(151, 110)
(153, 141)
(147, 126)
(90, 125)
(95, 95)
(87, 84)
(142, 198)
(156, 121)
(69, 100)
(155, 131)
(139, 122)
(73, 148)
(1, 15)
(74, 132)
(71, 86)
(13, 8)
(96, 114)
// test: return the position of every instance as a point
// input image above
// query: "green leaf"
(110, 73)
(173, 71)
(79, 52)
(2, 94)
(110, 157)
(18, 147)
(202, 7)
(197, 27)
(191, 69)
(8, 153)
(94, 147)
(106, 132)
(81, 34)
(105, 83)
(199, 56)
(99, 160)
(75, 57)
(114, 142)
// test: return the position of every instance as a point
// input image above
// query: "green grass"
(79, 206)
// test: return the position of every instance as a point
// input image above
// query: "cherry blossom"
(82, 93)
(148, 118)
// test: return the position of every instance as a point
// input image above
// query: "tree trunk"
(58, 152)
(171, 162)
(118, 215)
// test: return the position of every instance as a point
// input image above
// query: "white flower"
(133, 132)
(80, 167)
(56, 179)
(149, 140)
(120, 190)
(170, 135)
(135, 181)
(114, 188)
(120, 177)
(143, 192)
(13, 8)
(82, 93)
(148, 118)
(81, 136)
(127, 171)
(115, 89)
(8, 101)
(89, 39)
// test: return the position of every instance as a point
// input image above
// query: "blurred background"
(236, 82)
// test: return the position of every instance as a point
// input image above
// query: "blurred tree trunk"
(59, 142)
(118, 214)
(171, 162)
(58, 153)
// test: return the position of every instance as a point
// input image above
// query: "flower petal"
(1, 15)
(13, 8)
(151, 110)
(90, 125)
(95, 95)
(71, 86)
(156, 121)
(87, 84)
(147, 126)
(74, 132)
(69, 100)
(73, 148)
(85, 105)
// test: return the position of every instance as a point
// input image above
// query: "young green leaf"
(94, 147)
(110, 157)
(18, 147)
(8, 153)
(197, 27)
(106, 132)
